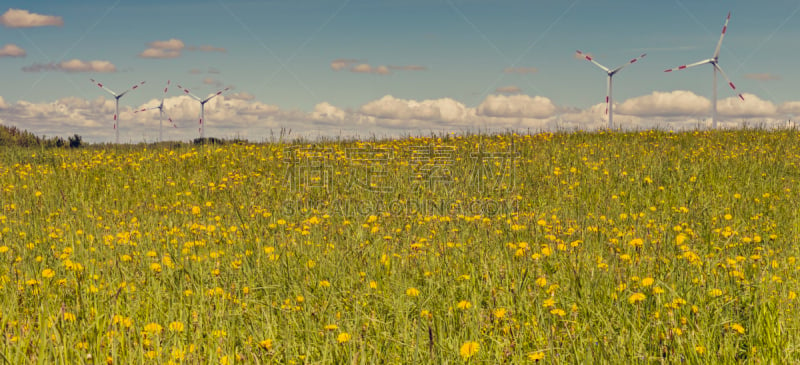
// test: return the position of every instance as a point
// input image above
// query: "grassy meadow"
(606, 247)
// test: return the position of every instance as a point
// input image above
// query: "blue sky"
(426, 64)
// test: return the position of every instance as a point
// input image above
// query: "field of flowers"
(588, 248)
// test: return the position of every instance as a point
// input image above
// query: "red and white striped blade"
(591, 59)
(629, 63)
(100, 85)
(688, 66)
(187, 92)
(134, 87)
(730, 83)
(724, 29)
(215, 95)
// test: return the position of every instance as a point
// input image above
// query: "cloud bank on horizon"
(354, 95)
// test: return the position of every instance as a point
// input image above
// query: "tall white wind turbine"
(714, 61)
(116, 102)
(610, 73)
(160, 108)
(202, 105)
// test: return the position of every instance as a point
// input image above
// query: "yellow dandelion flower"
(700, 350)
(331, 327)
(647, 281)
(412, 292)
(738, 328)
(324, 284)
(636, 297)
(176, 327)
(464, 304)
(558, 312)
(469, 349)
(499, 313)
(153, 328)
(636, 242)
(541, 282)
(343, 337)
(536, 356)
(715, 293)
(266, 344)
(48, 273)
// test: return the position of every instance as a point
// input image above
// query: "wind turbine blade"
(144, 109)
(688, 66)
(187, 92)
(590, 59)
(99, 84)
(724, 29)
(215, 95)
(730, 83)
(134, 87)
(629, 63)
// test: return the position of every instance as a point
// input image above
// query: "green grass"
(531, 246)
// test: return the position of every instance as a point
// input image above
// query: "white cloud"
(790, 107)
(159, 53)
(341, 64)
(3, 104)
(517, 106)
(170, 48)
(241, 96)
(19, 18)
(326, 112)
(511, 89)
(172, 43)
(73, 65)
(751, 107)
(443, 110)
(12, 50)
(366, 68)
(665, 104)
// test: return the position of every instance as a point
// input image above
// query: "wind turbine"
(714, 61)
(116, 102)
(610, 73)
(202, 104)
(160, 108)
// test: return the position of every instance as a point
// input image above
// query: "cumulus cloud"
(74, 65)
(19, 18)
(665, 104)
(326, 112)
(173, 48)
(511, 89)
(341, 64)
(751, 107)
(762, 77)
(159, 53)
(241, 96)
(3, 104)
(12, 50)
(170, 48)
(389, 107)
(517, 106)
(790, 107)
(367, 69)
(521, 70)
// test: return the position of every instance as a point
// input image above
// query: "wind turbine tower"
(160, 108)
(714, 61)
(116, 102)
(202, 105)
(610, 73)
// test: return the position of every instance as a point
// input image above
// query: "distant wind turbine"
(202, 105)
(160, 108)
(116, 102)
(610, 73)
(714, 61)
